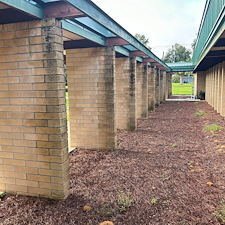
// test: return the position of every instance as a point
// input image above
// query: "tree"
(176, 78)
(193, 44)
(143, 40)
(178, 53)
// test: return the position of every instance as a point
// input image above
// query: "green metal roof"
(181, 66)
(212, 26)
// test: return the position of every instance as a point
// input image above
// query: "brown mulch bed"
(170, 168)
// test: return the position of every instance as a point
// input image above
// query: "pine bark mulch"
(170, 171)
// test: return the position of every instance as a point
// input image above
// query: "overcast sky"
(163, 22)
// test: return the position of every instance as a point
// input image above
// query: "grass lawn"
(181, 89)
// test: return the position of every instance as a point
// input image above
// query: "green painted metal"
(181, 66)
(212, 24)
(26, 6)
(122, 50)
(91, 24)
(72, 27)
(94, 12)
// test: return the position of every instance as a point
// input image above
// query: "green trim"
(81, 32)
(25, 6)
(212, 26)
(122, 50)
(210, 45)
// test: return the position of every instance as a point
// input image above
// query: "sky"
(163, 22)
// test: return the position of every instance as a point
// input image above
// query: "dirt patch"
(167, 172)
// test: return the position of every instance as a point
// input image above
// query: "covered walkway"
(113, 80)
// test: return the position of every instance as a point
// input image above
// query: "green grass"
(213, 127)
(199, 113)
(221, 214)
(181, 89)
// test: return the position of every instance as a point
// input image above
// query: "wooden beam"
(137, 54)
(62, 10)
(145, 60)
(116, 41)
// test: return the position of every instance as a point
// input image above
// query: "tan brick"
(54, 173)
(46, 158)
(6, 180)
(32, 100)
(25, 156)
(16, 188)
(39, 191)
(15, 175)
(40, 137)
(20, 169)
(38, 178)
(14, 162)
(27, 183)
(44, 165)
(35, 123)
(7, 155)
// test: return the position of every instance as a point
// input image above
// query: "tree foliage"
(178, 53)
(193, 44)
(143, 40)
(176, 78)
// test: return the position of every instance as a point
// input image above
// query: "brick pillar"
(161, 87)
(164, 85)
(145, 92)
(151, 89)
(157, 88)
(216, 88)
(167, 85)
(199, 83)
(223, 89)
(90, 73)
(142, 90)
(125, 93)
(33, 131)
(139, 83)
(170, 84)
(219, 75)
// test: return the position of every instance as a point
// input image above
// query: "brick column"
(170, 84)
(142, 90)
(33, 131)
(139, 83)
(167, 86)
(161, 87)
(125, 93)
(199, 82)
(90, 73)
(157, 88)
(219, 76)
(145, 92)
(151, 89)
(223, 89)
(164, 85)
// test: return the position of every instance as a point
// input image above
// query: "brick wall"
(33, 134)
(151, 89)
(161, 84)
(142, 90)
(157, 87)
(200, 82)
(126, 93)
(139, 83)
(214, 86)
(90, 73)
